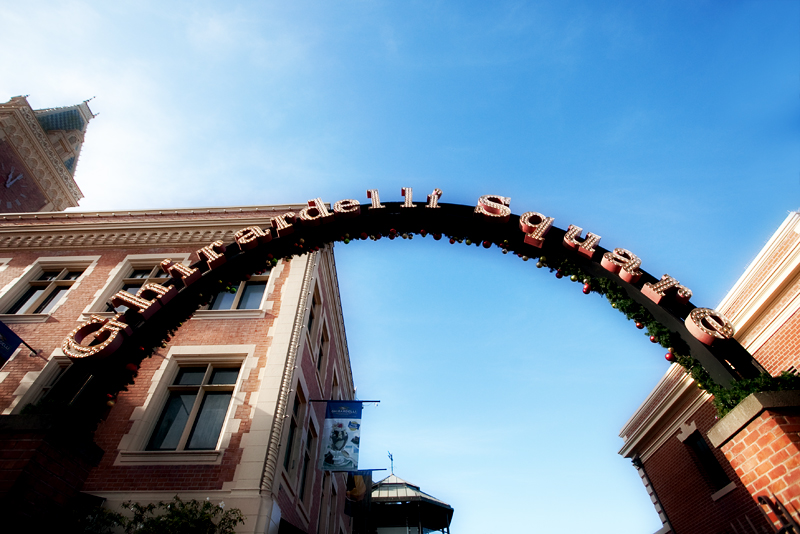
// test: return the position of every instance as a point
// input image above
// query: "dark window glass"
(222, 301)
(172, 422)
(52, 299)
(224, 376)
(26, 301)
(209, 421)
(132, 288)
(707, 462)
(303, 476)
(289, 444)
(73, 275)
(49, 275)
(251, 297)
(140, 273)
(190, 376)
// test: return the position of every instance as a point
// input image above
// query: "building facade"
(225, 410)
(709, 476)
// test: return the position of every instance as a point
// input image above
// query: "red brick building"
(223, 410)
(740, 474)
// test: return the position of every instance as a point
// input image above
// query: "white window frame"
(145, 418)
(15, 289)
(259, 313)
(119, 273)
(58, 361)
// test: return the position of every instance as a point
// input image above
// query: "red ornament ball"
(452, 241)
(639, 326)
(653, 339)
(559, 274)
(132, 367)
(586, 289)
(487, 244)
(364, 235)
(437, 237)
(378, 236)
(423, 233)
(392, 231)
(670, 357)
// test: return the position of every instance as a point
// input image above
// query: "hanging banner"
(341, 436)
(9, 341)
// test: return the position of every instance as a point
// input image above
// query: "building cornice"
(671, 403)
(131, 229)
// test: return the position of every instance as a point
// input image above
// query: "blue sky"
(668, 128)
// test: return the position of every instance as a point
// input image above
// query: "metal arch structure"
(98, 375)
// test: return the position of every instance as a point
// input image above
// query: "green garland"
(724, 399)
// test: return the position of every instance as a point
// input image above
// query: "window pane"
(52, 299)
(172, 422)
(190, 376)
(224, 376)
(140, 273)
(287, 457)
(222, 301)
(251, 298)
(132, 288)
(73, 275)
(27, 300)
(49, 275)
(209, 421)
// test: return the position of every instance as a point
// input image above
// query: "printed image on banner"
(341, 436)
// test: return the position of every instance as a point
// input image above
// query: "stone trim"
(747, 410)
(276, 431)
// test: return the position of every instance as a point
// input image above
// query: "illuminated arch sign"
(157, 310)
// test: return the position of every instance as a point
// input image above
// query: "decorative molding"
(112, 230)
(276, 429)
(169, 457)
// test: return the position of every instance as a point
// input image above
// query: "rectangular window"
(314, 312)
(305, 474)
(137, 277)
(323, 349)
(247, 295)
(45, 292)
(708, 464)
(195, 410)
(292, 452)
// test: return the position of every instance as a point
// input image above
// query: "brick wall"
(41, 470)
(782, 350)
(684, 492)
(766, 456)
(110, 477)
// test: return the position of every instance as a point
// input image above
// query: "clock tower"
(38, 154)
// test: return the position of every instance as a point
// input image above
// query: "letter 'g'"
(107, 331)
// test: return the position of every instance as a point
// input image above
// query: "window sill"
(12, 318)
(169, 458)
(724, 491)
(199, 314)
(229, 314)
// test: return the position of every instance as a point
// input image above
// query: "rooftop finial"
(392, 460)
